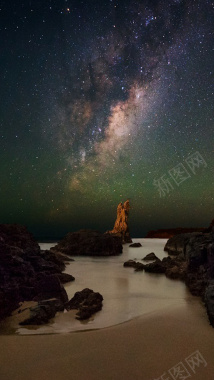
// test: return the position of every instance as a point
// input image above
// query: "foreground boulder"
(43, 312)
(87, 302)
(26, 272)
(121, 227)
(89, 243)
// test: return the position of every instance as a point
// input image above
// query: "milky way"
(109, 94)
(100, 100)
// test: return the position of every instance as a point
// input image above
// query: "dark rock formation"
(209, 302)
(191, 260)
(177, 244)
(194, 256)
(177, 270)
(26, 272)
(156, 267)
(135, 245)
(61, 256)
(189, 247)
(65, 277)
(17, 237)
(89, 243)
(49, 286)
(150, 256)
(139, 267)
(133, 264)
(43, 312)
(87, 302)
(170, 232)
(121, 227)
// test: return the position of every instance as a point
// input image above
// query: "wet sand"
(143, 348)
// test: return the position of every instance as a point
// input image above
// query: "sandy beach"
(146, 347)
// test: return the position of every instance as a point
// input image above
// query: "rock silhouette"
(26, 272)
(89, 243)
(87, 302)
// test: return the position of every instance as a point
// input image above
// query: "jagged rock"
(26, 272)
(17, 237)
(196, 282)
(121, 227)
(150, 256)
(53, 258)
(139, 267)
(61, 256)
(177, 271)
(130, 264)
(210, 260)
(209, 302)
(65, 277)
(196, 249)
(87, 302)
(185, 245)
(89, 243)
(192, 261)
(155, 267)
(177, 244)
(43, 312)
(135, 245)
(49, 286)
(196, 266)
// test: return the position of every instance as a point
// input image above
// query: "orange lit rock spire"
(121, 227)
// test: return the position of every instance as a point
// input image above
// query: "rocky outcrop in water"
(121, 227)
(191, 260)
(89, 243)
(150, 256)
(135, 245)
(134, 264)
(198, 253)
(87, 302)
(26, 272)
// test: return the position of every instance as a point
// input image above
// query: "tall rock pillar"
(121, 227)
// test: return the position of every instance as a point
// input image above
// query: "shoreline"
(10, 326)
(142, 287)
(142, 348)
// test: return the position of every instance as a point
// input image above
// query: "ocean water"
(127, 294)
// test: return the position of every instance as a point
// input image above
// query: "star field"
(99, 102)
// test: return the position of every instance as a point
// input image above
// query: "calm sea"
(127, 294)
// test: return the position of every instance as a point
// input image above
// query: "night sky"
(102, 101)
